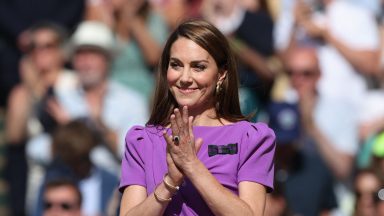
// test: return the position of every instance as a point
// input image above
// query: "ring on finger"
(176, 139)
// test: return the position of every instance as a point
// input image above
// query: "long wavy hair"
(208, 37)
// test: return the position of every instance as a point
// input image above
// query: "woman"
(229, 168)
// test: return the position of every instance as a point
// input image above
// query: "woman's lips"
(187, 90)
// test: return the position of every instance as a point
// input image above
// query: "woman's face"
(192, 75)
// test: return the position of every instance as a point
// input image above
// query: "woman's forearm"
(218, 198)
(132, 205)
(365, 61)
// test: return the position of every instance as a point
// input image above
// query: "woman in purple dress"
(197, 155)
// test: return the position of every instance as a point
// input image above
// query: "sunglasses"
(63, 205)
(303, 73)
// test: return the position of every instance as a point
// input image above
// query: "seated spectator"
(72, 145)
(328, 140)
(61, 198)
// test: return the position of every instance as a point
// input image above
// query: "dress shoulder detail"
(136, 133)
(258, 130)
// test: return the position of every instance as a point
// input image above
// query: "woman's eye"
(174, 65)
(200, 67)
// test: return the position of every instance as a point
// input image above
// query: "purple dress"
(242, 151)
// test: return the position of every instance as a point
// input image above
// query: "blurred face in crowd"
(192, 75)
(119, 4)
(224, 7)
(367, 186)
(61, 201)
(45, 50)
(303, 69)
(91, 65)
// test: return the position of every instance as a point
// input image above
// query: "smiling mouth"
(187, 90)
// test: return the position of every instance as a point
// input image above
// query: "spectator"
(16, 17)
(110, 107)
(72, 144)
(43, 74)
(328, 141)
(62, 198)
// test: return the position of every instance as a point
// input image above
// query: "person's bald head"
(303, 68)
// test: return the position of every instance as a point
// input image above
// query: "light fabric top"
(339, 78)
(130, 67)
(144, 162)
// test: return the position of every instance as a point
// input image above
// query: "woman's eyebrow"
(174, 59)
(192, 62)
(199, 61)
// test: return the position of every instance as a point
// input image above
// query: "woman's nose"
(186, 75)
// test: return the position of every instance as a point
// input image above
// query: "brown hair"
(65, 182)
(72, 143)
(208, 37)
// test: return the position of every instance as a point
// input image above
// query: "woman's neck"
(207, 117)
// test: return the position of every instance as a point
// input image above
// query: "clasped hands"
(181, 146)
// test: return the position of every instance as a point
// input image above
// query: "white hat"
(93, 34)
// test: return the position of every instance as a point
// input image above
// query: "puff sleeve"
(132, 165)
(257, 155)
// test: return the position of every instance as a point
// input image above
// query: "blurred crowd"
(75, 75)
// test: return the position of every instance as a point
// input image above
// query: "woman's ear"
(222, 75)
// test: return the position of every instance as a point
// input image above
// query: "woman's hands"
(181, 154)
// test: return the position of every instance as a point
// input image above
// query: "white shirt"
(122, 109)
(356, 28)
